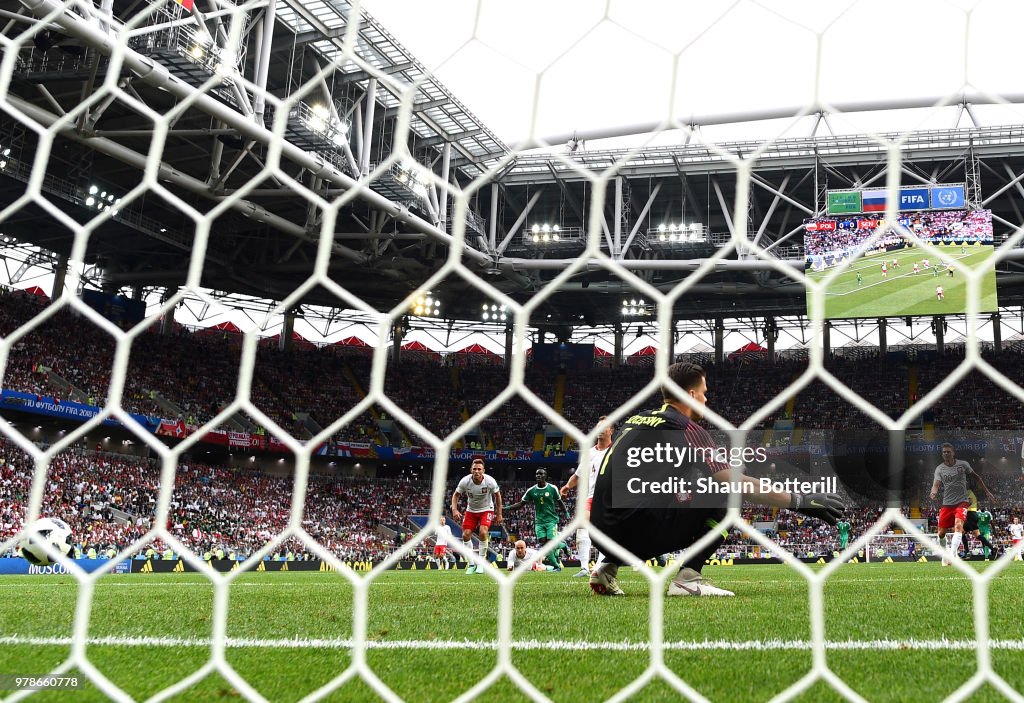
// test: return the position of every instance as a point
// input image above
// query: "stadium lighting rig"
(225, 66)
(426, 305)
(495, 313)
(636, 307)
(413, 176)
(680, 233)
(5, 153)
(200, 45)
(319, 120)
(101, 199)
(545, 233)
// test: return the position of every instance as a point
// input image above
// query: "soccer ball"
(49, 531)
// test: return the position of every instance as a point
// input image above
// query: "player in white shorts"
(588, 473)
(1017, 535)
(483, 505)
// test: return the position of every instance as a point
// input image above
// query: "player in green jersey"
(985, 533)
(973, 525)
(844, 534)
(546, 501)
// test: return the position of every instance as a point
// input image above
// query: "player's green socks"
(553, 560)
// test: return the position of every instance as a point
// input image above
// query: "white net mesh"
(327, 151)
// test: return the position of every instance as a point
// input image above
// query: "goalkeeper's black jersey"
(625, 465)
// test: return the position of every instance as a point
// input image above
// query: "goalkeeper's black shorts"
(651, 533)
(971, 522)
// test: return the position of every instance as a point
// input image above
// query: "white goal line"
(522, 645)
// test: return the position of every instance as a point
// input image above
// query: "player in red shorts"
(951, 477)
(1016, 534)
(483, 505)
(442, 538)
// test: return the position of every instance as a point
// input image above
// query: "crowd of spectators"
(111, 502)
(198, 374)
(833, 236)
(976, 402)
(242, 510)
(953, 225)
(883, 385)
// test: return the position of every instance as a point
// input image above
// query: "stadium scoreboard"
(942, 196)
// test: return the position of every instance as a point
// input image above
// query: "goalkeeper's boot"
(603, 581)
(689, 582)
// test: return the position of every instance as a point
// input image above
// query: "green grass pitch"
(903, 292)
(433, 633)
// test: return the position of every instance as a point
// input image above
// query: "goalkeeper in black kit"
(647, 495)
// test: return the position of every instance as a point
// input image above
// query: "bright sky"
(648, 59)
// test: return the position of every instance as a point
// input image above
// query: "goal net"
(294, 168)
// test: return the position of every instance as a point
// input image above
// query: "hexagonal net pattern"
(199, 61)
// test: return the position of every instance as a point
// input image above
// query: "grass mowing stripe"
(523, 645)
(886, 623)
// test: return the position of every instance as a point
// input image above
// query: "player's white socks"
(483, 552)
(583, 547)
(954, 545)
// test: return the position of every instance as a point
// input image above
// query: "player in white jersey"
(483, 505)
(442, 538)
(588, 473)
(1017, 535)
(521, 553)
(951, 477)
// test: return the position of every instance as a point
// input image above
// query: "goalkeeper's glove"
(825, 506)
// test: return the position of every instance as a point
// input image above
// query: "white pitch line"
(522, 645)
(385, 581)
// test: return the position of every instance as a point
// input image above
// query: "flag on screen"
(187, 4)
(874, 200)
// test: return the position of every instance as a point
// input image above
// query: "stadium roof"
(396, 232)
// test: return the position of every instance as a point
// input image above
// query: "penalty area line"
(522, 645)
